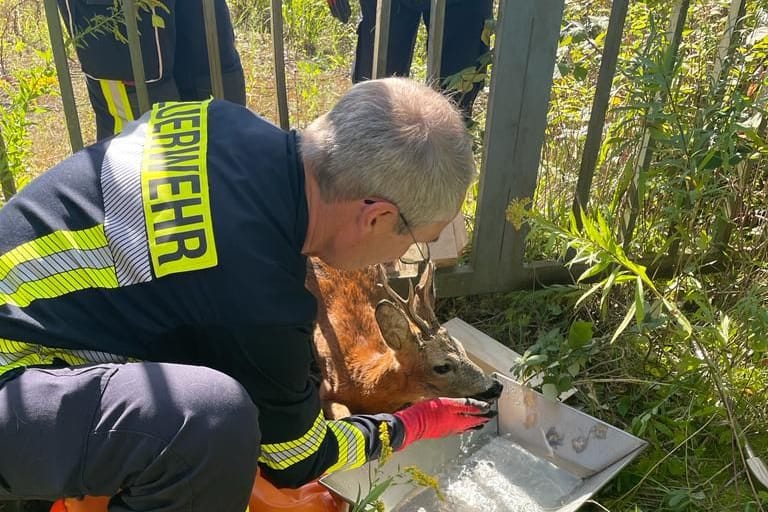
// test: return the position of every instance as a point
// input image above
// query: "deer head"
(377, 351)
(437, 363)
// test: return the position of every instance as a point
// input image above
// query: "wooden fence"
(527, 36)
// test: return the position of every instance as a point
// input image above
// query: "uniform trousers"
(155, 436)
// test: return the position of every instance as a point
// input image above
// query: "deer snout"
(492, 393)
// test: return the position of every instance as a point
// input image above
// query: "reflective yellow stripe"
(56, 264)
(284, 455)
(118, 105)
(174, 189)
(350, 439)
(351, 445)
(91, 238)
(60, 284)
(106, 90)
(126, 110)
(14, 354)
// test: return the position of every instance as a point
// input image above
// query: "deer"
(379, 352)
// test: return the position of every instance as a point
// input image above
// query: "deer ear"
(393, 324)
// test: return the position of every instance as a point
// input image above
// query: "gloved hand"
(340, 9)
(441, 417)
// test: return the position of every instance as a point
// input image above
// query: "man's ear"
(377, 215)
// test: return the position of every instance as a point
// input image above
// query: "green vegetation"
(664, 329)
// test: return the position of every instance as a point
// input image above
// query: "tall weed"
(22, 94)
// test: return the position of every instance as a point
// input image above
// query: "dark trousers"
(462, 42)
(115, 103)
(156, 436)
(174, 54)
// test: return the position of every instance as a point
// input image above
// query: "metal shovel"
(756, 465)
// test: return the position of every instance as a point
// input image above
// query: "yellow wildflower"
(421, 478)
(517, 212)
(386, 446)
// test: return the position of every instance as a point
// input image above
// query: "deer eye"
(442, 369)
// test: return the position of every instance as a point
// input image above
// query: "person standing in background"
(172, 37)
(462, 41)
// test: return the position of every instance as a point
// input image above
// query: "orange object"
(58, 506)
(265, 497)
(311, 497)
(87, 504)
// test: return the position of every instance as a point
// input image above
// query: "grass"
(642, 372)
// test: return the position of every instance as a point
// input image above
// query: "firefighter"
(155, 331)
(463, 44)
(172, 37)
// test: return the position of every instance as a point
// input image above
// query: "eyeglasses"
(421, 247)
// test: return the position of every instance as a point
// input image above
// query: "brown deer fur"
(378, 352)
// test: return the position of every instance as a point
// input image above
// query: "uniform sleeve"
(297, 444)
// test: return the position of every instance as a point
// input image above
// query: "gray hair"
(395, 139)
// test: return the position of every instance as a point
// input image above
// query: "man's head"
(391, 158)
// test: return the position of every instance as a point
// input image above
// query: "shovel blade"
(758, 468)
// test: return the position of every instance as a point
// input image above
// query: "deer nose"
(492, 393)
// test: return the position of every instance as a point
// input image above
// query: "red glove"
(340, 9)
(441, 417)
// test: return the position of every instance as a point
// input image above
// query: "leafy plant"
(465, 80)
(24, 93)
(379, 480)
(693, 358)
(558, 358)
(114, 22)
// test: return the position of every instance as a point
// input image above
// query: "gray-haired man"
(155, 332)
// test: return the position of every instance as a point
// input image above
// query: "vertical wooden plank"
(212, 44)
(134, 47)
(724, 227)
(600, 105)
(62, 74)
(676, 25)
(445, 251)
(735, 13)
(521, 81)
(278, 54)
(435, 42)
(381, 43)
(6, 178)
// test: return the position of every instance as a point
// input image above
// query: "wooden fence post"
(521, 80)
(435, 42)
(130, 12)
(600, 102)
(278, 53)
(56, 36)
(526, 47)
(676, 25)
(724, 227)
(381, 43)
(212, 45)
